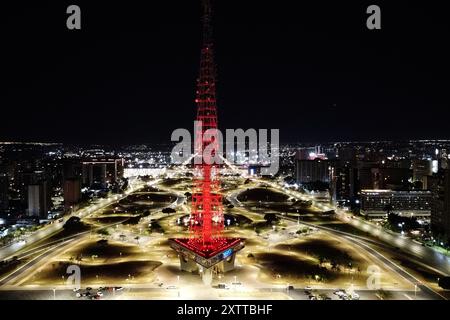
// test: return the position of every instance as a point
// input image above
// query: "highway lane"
(380, 257)
(362, 243)
(406, 275)
(8, 252)
(34, 261)
(48, 248)
(130, 291)
(435, 260)
(45, 250)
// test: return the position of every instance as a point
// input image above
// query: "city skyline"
(97, 202)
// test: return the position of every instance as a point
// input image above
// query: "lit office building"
(38, 200)
(4, 200)
(440, 211)
(102, 171)
(377, 203)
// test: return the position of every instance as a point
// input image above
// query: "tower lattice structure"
(206, 220)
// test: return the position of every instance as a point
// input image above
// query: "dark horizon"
(314, 71)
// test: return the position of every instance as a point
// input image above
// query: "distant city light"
(435, 166)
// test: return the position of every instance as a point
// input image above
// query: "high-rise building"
(422, 169)
(72, 192)
(38, 200)
(365, 177)
(313, 171)
(377, 203)
(440, 211)
(71, 168)
(102, 171)
(343, 185)
(4, 198)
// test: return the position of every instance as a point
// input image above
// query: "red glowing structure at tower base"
(206, 245)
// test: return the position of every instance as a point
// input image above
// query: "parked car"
(223, 286)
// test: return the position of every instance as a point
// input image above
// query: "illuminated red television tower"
(206, 245)
(207, 216)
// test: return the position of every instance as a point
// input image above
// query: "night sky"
(312, 70)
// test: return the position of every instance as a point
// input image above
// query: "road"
(364, 245)
(435, 260)
(46, 250)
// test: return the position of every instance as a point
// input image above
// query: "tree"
(271, 218)
(388, 208)
(103, 232)
(168, 210)
(322, 259)
(102, 243)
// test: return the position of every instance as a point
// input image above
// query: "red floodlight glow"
(206, 221)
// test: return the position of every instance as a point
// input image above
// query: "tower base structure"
(193, 258)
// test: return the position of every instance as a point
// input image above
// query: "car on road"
(171, 287)
(340, 293)
(118, 288)
(354, 296)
